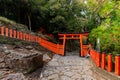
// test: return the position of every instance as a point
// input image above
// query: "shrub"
(108, 31)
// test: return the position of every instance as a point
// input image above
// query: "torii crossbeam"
(75, 36)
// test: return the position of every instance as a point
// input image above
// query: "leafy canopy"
(108, 31)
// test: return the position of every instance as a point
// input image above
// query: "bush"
(108, 31)
(109, 38)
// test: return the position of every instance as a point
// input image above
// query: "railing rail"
(57, 48)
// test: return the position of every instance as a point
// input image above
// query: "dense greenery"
(100, 17)
(108, 31)
(13, 25)
(54, 15)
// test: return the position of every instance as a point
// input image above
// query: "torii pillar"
(71, 36)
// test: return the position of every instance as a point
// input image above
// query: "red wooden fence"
(84, 50)
(105, 61)
(56, 48)
(18, 34)
(99, 59)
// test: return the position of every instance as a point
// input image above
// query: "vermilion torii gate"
(77, 36)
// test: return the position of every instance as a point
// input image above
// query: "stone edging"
(103, 73)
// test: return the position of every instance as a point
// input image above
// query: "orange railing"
(105, 61)
(84, 50)
(56, 48)
(96, 57)
(101, 60)
(18, 34)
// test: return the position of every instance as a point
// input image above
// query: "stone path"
(68, 68)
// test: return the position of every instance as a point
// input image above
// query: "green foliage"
(13, 25)
(108, 31)
(54, 15)
(100, 16)
(64, 16)
(107, 9)
(28, 12)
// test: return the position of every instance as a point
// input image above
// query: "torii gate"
(78, 36)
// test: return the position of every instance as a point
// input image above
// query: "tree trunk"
(29, 22)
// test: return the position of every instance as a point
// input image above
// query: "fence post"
(57, 48)
(117, 64)
(2, 31)
(103, 64)
(23, 36)
(6, 32)
(15, 34)
(81, 45)
(95, 57)
(19, 35)
(40, 40)
(11, 33)
(109, 63)
(98, 59)
(99, 55)
(64, 42)
(28, 37)
(33, 38)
